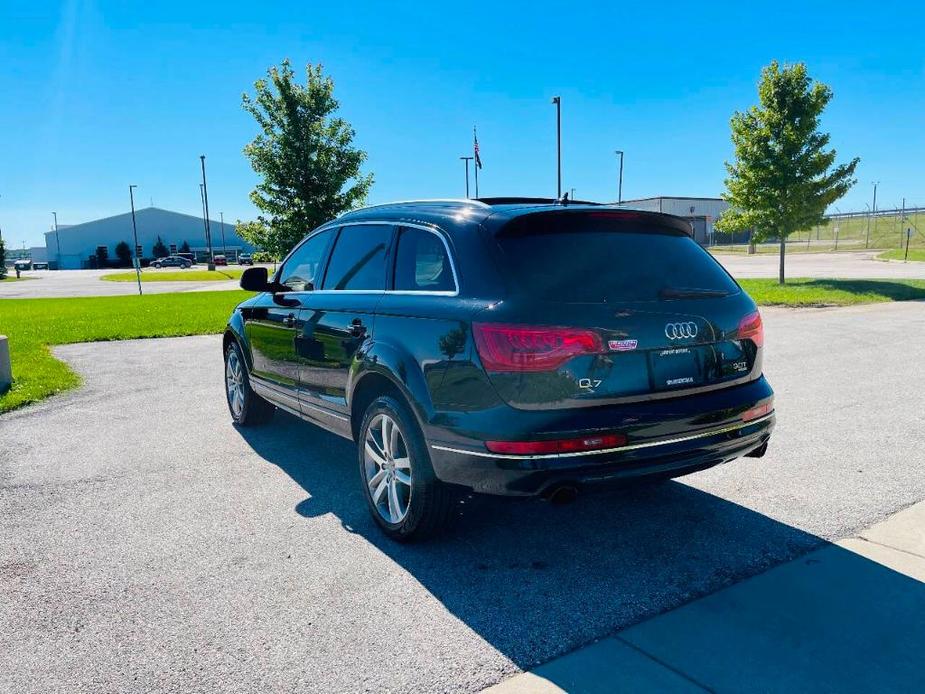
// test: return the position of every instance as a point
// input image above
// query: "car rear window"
(591, 258)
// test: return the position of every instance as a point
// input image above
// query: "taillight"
(750, 328)
(531, 348)
(585, 443)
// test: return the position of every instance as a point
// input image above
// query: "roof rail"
(514, 200)
(457, 201)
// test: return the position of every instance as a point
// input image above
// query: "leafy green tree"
(783, 177)
(185, 247)
(124, 253)
(265, 237)
(102, 255)
(159, 250)
(2, 259)
(305, 155)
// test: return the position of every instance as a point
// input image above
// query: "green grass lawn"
(830, 292)
(917, 254)
(14, 278)
(33, 324)
(176, 275)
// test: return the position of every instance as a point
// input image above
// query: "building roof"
(139, 214)
(670, 197)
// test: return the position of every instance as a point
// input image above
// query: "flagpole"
(475, 139)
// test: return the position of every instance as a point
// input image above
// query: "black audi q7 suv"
(506, 345)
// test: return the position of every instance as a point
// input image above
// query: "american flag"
(475, 148)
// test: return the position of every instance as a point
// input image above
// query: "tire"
(246, 407)
(404, 511)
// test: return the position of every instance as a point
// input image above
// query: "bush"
(124, 254)
(263, 257)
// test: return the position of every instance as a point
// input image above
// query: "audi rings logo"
(677, 331)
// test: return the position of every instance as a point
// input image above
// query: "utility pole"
(558, 102)
(902, 219)
(224, 251)
(131, 197)
(205, 204)
(467, 160)
(57, 240)
(620, 184)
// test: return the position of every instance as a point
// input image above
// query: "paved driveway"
(853, 265)
(61, 283)
(148, 545)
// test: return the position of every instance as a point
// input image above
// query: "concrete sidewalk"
(847, 617)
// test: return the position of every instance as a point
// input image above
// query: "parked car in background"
(508, 346)
(191, 257)
(220, 260)
(172, 261)
(245, 259)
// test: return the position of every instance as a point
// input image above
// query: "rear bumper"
(681, 445)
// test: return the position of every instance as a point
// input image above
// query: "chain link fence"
(848, 231)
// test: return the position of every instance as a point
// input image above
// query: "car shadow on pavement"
(536, 580)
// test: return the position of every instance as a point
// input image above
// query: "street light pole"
(57, 240)
(131, 197)
(205, 204)
(558, 102)
(224, 250)
(620, 185)
(467, 160)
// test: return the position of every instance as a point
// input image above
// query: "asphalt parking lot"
(148, 545)
(62, 283)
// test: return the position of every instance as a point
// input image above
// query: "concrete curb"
(847, 617)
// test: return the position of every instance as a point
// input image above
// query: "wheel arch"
(386, 372)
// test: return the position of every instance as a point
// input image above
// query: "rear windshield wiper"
(690, 293)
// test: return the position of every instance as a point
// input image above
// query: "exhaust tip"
(562, 495)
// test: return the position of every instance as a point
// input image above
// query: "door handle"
(289, 320)
(357, 329)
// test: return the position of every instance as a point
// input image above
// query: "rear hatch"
(610, 306)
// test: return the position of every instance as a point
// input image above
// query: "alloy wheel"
(234, 381)
(388, 468)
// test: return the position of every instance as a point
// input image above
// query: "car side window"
(358, 259)
(303, 267)
(422, 263)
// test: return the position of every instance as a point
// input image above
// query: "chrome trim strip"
(324, 411)
(469, 201)
(618, 449)
(390, 222)
(278, 398)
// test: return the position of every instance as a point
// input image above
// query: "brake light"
(585, 443)
(752, 329)
(531, 348)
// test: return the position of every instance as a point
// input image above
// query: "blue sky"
(97, 95)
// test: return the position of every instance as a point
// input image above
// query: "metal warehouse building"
(72, 246)
(700, 212)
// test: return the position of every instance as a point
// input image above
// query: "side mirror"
(254, 279)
